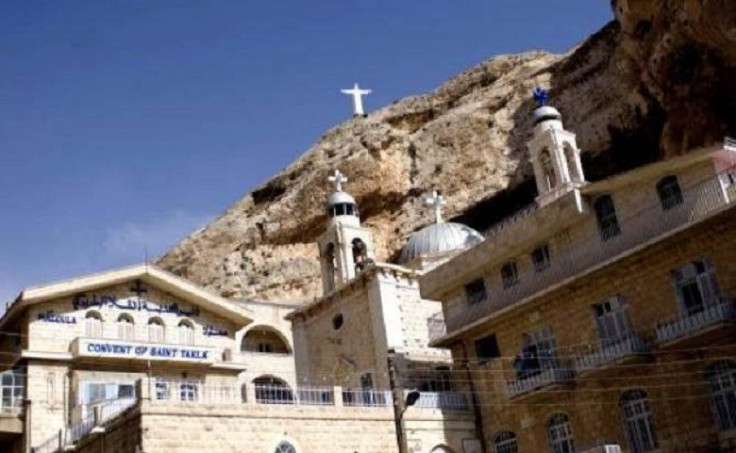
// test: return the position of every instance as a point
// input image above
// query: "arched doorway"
(272, 390)
(264, 339)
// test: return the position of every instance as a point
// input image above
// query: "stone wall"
(674, 378)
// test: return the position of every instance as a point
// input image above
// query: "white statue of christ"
(357, 93)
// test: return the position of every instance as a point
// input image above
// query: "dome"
(340, 198)
(438, 239)
(546, 112)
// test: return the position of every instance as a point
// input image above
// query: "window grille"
(638, 421)
(560, 434)
(12, 387)
(505, 442)
(188, 391)
(722, 381)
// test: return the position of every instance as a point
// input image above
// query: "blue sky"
(125, 125)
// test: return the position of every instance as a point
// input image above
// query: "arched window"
(285, 447)
(440, 449)
(264, 339)
(560, 434)
(271, 390)
(13, 390)
(572, 163)
(670, 194)
(93, 325)
(156, 330)
(696, 286)
(605, 212)
(505, 442)
(722, 381)
(360, 254)
(186, 332)
(638, 421)
(548, 170)
(126, 327)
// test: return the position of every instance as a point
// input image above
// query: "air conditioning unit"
(604, 448)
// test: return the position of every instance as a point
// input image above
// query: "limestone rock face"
(655, 82)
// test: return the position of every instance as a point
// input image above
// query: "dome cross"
(436, 201)
(338, 179)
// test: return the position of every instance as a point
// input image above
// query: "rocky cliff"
(655, 82)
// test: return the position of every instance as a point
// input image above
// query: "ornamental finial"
(541, 96)
(337, 179)
(436, 201)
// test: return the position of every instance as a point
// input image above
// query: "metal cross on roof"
(541, 96)
(338, 179)
(436, 201)
(138, 289)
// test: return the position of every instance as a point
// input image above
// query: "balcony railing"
(544, 378)
(685, 325)
(574, 257)
(367, 398)
(450, 401)
(609, 353)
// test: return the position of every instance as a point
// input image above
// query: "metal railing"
(367, 398)
(102, 413)
(721, 312)
(450, 401)
(315, 396)
(543, 378)
(53, 445)
(574, 256)
(608, 353)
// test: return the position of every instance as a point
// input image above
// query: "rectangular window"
(187, 391)
(605, 213)
(537, 353)
(475, 291)
(540, 257)
(486, 348)
(162, 390)
(612, 321)
(696, 286)
(509, 274)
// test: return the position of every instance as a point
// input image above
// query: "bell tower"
(345, 248)
(554, 153)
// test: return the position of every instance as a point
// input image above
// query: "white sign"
(98, 347)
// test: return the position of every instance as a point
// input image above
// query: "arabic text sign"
(93, 347)
(82, 301)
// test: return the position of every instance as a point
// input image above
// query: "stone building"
(143, 361)
(601, 318)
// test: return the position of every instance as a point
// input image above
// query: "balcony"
(105, 349)
(587, 253)
(629, 348)
(542, 380)
(697, 325)
(445, 401)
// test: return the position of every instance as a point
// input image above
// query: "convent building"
(598, 319)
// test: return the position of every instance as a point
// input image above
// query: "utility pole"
(397, 392)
